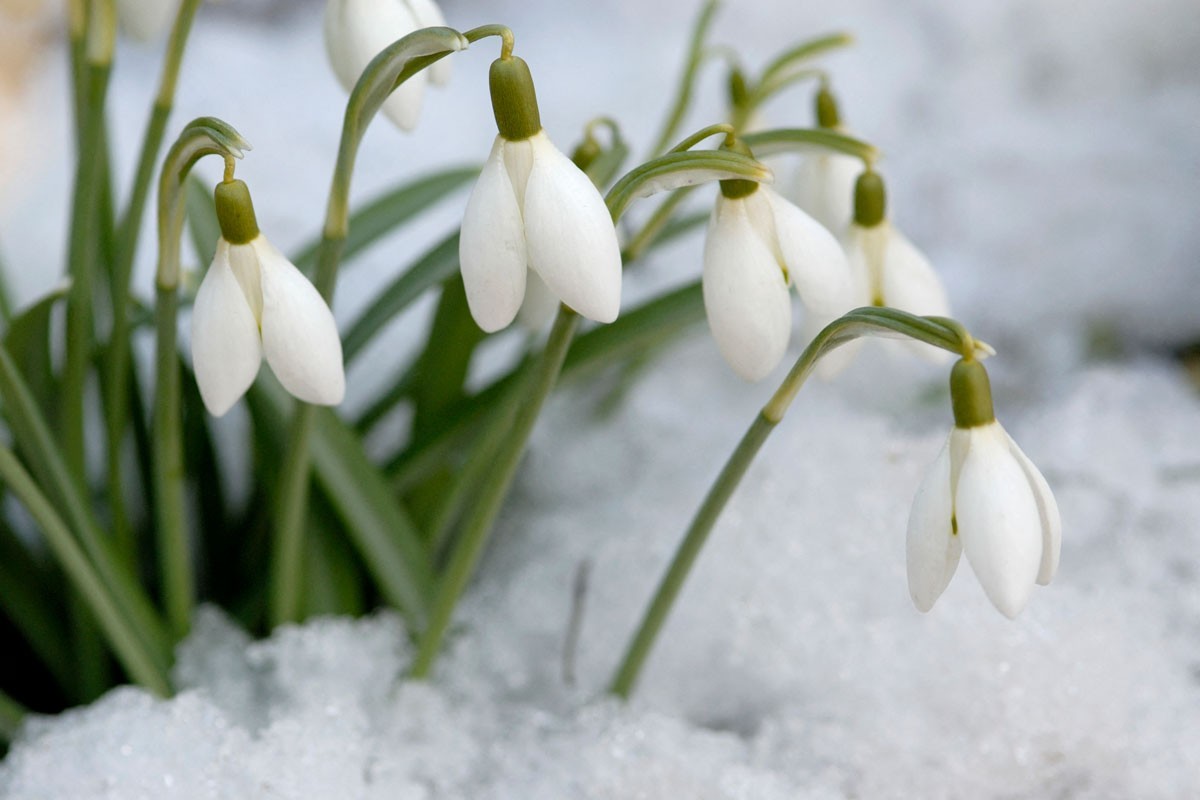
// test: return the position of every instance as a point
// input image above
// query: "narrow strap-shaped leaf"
(119, 628)
(375, 521)
(32, 434)
(390, 210)
(34, 611)
(28, 339)
(11, 714)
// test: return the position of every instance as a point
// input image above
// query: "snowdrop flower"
(825, 181)
(358, 30)
(146, 20)
(886, 269)
(534, 216)
(254, 302)
(757, 245)
(984, 497)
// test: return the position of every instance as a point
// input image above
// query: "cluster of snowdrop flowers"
(252, 303)
(759, 244)
(358, 30)
(983, 497)
(535, 226)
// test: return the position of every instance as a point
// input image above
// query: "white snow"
(1044, 157)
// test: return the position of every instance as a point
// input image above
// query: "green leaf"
(376, 522)
(11, 714)
(32, 435)
(34, 607)
(28, 339)
(434, 267)
(391, 210)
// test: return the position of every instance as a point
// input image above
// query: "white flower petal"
(933, 549)
(358, 30)
(745, 295)
(815, 261)
(909, 282)
(299, 335)
(491, 248)
(571, 239)
(1047, 512)
(336, 44)
(403, 106)
(226, 350)
(428, 15)
(825, 189)
(540, 303)
(998, 520)
(860, 246)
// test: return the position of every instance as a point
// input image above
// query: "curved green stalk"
(675, 170)
(201, 137)
(783, 140)
(860, 322)
(802, 52)
(389, 69)
(119, 354)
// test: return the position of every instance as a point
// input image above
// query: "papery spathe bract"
(358, 30)
(758, 244)
(254, 303)
(532, 208)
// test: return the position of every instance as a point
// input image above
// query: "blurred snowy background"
(1044, 153)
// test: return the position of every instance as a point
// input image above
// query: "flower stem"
(205, 136)
(81, 259)
(478, 525)
(396, 64)
(860, 322)
(119, 352)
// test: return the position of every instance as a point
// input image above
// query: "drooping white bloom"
(146, 20)
(358, 30)
(983, 497)
(757, 245)
(252, 303)
(533, 209)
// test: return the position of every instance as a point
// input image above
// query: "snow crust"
(794, 667)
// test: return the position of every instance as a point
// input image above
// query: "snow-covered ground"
(1045, 155)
